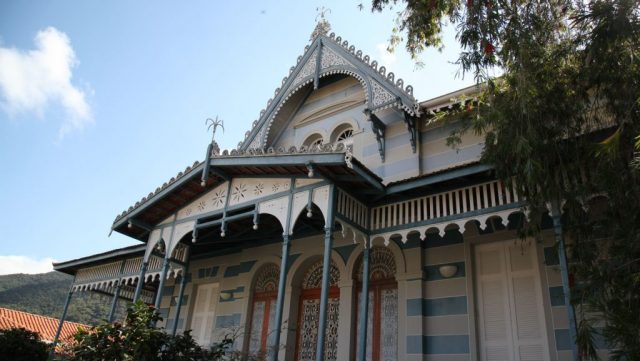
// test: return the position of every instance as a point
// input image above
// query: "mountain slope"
(45, 294)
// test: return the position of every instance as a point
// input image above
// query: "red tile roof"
(45, 326)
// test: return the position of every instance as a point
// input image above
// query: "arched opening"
(342, 134)
(310, 221)
(313, 140)
(382, 317)
(309, 314)
(263, 310)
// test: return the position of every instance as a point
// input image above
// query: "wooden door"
(309, 315)
(511, 320)
(204, 312)
(382, 315)
(382, 321)
(264, 310)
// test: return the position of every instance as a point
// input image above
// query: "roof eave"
(69, 267)
(124, 219)
(447, 99)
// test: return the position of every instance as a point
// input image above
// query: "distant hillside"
(45, 293)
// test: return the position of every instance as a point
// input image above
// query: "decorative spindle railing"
(352, 209)
(444, 204)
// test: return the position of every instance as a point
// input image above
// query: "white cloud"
(31, 79)
(384, 57)
(23, 264)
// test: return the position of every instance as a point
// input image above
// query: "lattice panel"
(331, 336)
(308, 333)
(370, 312)
(256, 327)
(389, 325)
(272, 322)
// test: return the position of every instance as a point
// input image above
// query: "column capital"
(328, 231)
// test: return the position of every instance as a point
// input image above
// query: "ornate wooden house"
(343, 227)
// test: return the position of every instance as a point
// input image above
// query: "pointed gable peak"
(322, 28)
(327, 55)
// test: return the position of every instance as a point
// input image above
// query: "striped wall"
(559, 310)
(343, 102)
(435, 314)
(442, 307)
(225, 271)
(560, 320)
(437, 155)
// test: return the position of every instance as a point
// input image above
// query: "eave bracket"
(411, 123)
(378, 128)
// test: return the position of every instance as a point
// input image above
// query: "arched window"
(382, 320)
(345, 135)
(342, 134)
(314, 140)
(265, 294)
(309, 314)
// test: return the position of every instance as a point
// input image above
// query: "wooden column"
(364, 305)
(143, 272)
(114, 303)
(183, 284)
(275, 347)
(324, 295)
(61, 323)
(163, 278)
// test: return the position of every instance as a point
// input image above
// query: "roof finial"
(215, 123)
(322, 26)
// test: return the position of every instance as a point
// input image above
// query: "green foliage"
(138, 339)
(45, 293)
(19, 344)
(562, 124)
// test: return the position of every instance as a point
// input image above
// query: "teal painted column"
(326, 267)
(364, 305)
(143, 272)
(114, 303)
(324, 295)
(163, 278)
(183, 284)
(284, 264)
(64, 316)
(116, 294)
(564, 274)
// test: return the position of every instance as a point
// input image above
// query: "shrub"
(138, 339)
(19, 344)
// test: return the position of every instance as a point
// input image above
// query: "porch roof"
(72, 266)
(333, 163)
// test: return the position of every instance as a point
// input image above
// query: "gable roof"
(43, 325)
(328, 55)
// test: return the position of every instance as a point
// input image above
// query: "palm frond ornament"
(214, 123)
(213, 149)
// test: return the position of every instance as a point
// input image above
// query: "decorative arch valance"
(382, 264)
(313, 277)
(268, 278)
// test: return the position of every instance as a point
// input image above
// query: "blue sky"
(101, 102)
